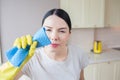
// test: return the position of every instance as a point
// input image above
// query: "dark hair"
(60, 13)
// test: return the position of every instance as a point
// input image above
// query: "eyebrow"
(59, 28)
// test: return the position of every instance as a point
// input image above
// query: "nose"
(54, 36)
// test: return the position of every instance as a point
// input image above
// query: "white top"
(41, 67)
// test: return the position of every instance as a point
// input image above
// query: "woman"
(59, 60)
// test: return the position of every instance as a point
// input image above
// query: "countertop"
(106, 56)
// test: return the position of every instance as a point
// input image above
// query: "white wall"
(83, 38)
(0, 31)
(21, 17)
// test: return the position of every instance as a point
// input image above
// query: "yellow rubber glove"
(8, 71)
(23, 42)
(22, 51)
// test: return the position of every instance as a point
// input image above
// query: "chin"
(52, 49)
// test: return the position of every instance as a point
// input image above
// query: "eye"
(62, 31)
(48, 30)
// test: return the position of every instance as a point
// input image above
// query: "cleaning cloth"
(17, 55)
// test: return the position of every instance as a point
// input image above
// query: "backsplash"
(84, 38)
(110, 36)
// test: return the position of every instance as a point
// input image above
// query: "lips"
(54, 45)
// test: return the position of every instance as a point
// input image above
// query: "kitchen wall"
(0, 31)
(21, 17)
(110, 36)
(84, 38)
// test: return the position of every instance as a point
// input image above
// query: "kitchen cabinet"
(103, 71)
(92, 13)
(85, 13)
(112, 15)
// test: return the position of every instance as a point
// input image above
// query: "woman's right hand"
(17, 56)
(22, 51)
(25, 46)
(23, 41)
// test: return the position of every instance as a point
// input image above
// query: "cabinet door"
(117, 70)
(112, 13)
(109, 71)
(103, 71)
(106, 71)
(74, 8)
(90, 72)
(95, 13)
(85, 13)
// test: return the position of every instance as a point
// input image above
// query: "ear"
(70, 31)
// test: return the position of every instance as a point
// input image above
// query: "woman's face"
(57, 31)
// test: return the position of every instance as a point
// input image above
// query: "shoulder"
(35, 58)
(38, 50)
(76, 52)
(32, 63)
(79, 55)
(75, 49)
(37, 55)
